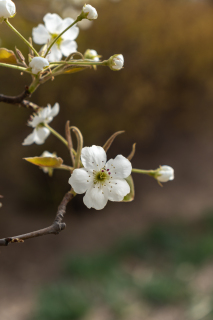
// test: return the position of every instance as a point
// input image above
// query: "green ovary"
(100, 176)
(58, 42)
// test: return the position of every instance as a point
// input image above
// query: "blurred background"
(151, 259)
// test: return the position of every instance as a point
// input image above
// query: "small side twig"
(56, 227)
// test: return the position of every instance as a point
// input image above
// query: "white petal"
(41, 34)
(35, 121)
(52, 22)
(93, 158)
(71, 33)
(118, 189)
(120, 167)
(41, 135)
(30, 139)
(45, 112)
(55, 54)
(68, 46)
(95, 198)
(81, 180)
(55, 110)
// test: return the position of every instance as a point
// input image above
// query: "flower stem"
(34, 85)
(60, 36)
(56, 134)
(65, 167)
(15, 67)
(19, 34)
(148, 172)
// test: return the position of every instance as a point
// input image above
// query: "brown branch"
(15, 99)
(56, 227)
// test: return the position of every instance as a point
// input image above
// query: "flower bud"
(7, 9)
(116, 62)
(37, 64)
(164, 174)
(91, 55)
(90, 12)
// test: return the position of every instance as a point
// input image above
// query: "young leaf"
(45, 161)
(7, 56)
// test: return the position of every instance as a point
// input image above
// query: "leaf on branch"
(111, 139)
(7, 56)
(51, 162)
(74, 69)
(130, 196)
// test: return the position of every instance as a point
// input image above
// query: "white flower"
(37, 64)
(7, 9)
(47, 154)
(165, 173)
(101, 180)
(116, 62)
(90, 11)
(40, 133)
(91, 55)
(54, 25)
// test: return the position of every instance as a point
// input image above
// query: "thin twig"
(69, 140)
(56, 227)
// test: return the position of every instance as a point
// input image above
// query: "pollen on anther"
(102, 170)
(107, 169)
(109, 172)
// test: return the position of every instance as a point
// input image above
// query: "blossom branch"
(56, 227)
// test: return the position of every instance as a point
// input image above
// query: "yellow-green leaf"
(75, 69)
(129, 197)
(50, 162)
(7, 56)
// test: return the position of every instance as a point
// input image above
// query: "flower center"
(58, 42)
(100, 176)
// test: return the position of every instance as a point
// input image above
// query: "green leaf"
(130, 196)
(7, 56)
(51, 162)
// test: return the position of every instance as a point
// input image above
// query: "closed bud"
(116, 62)
(164, 174)
(37, 64)
(89, 12)
(7, 9)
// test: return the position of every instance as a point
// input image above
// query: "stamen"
(107, 169)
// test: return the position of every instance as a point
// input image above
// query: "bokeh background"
(151, 259)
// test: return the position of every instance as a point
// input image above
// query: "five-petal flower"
(101, 180)
(40, 133)
(54, 25)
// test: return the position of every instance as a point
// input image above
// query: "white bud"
(37, 64)
(116, 62)
(7, 9)
(91, 55)
(165, 173)
(90, 11)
